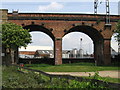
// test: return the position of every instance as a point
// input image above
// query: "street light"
(80, 43)
(81, 50)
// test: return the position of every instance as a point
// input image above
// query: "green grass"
(74, 67)
(14, 79)
(107, 79)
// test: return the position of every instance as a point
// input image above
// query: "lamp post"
(107, 12)
(81, 50)
(80, 43)
(95, 6)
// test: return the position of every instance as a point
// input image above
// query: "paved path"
(113, 74)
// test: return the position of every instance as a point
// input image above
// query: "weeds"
(14, 79)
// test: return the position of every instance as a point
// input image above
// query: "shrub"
(14, 79)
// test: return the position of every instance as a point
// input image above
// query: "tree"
(13, 37)
(117, 31)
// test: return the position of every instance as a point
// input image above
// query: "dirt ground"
(112, 74)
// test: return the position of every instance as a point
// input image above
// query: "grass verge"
(107, 79)
(75, 67)
(14, 79)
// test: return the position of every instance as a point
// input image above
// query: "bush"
(14, 79)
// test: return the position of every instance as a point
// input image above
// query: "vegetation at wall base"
(12, 78)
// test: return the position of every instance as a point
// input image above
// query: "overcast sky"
(62, 6)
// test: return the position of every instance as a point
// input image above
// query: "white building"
(81, 53)
(66, 54)
(75, 52)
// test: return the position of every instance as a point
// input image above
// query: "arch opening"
(40, 28)
(77, 45)
(95, 36)
(114, 48)
(42, 46)
(88, 30)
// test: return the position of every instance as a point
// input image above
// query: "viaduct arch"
(56, 25)
(33, 27)
(95, 36)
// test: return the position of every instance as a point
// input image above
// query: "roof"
(45, 51)
(51, 51)
(34, 48)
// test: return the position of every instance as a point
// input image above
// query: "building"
(26, 54)
(66, 54)
(30, 51)
(80, 53)
(74, 52)
(50, 54)
(44, 54)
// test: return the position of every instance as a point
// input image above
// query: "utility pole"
(95, 6)
(80, 43)
(107, 12)
(81, 50)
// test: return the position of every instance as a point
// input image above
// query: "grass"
(14, 79)
(107, 79)
(74, 67)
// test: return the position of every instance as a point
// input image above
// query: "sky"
(54, 0)
(58, 6)
(62, 6)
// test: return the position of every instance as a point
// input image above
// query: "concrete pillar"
(58, 51)
(107, 52)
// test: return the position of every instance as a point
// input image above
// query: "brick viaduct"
(57, 25)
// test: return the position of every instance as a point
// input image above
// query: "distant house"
(44, 54)
(66, 54)
(26, 54)
(45, 51)
(50, 54)
(29, 51)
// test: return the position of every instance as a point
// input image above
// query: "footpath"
(112, 74)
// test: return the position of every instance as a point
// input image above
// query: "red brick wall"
(59, 26)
